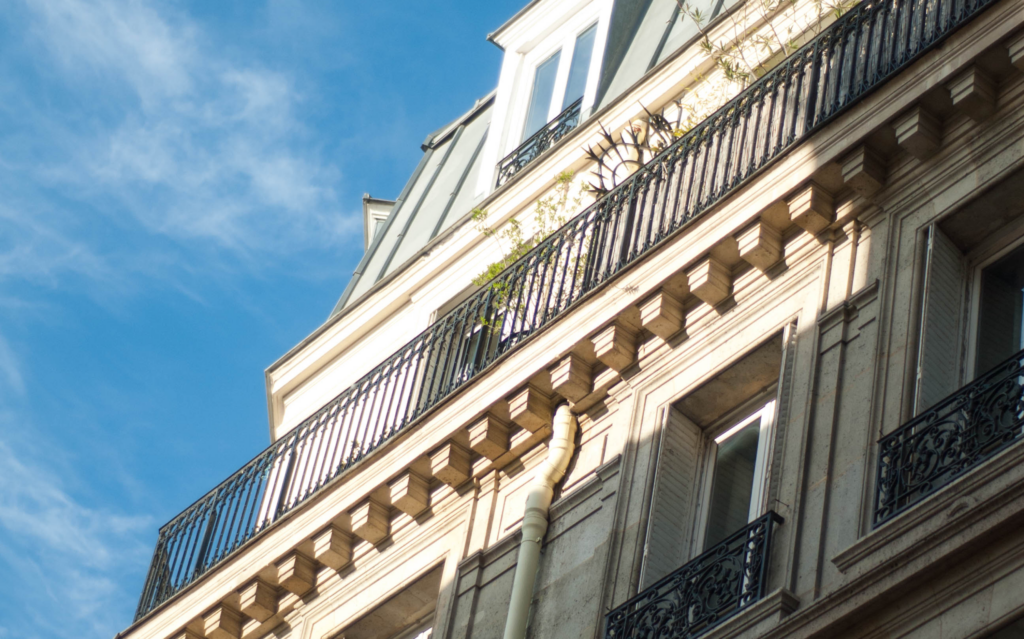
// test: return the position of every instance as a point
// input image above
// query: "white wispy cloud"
(59, 554)
(201, 147)
(10, 370)
(133, 148)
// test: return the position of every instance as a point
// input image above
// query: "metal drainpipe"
(535, 520)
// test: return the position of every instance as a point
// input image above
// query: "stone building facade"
(764, 380)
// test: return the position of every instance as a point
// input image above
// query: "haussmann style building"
(706, 321)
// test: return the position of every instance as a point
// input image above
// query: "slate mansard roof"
(642, 34)
(439, 193)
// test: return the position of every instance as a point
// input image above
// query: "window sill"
(965, 512)
(757, 619)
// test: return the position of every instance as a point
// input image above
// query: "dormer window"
(375, 216)
(549, 81)
(556, 86)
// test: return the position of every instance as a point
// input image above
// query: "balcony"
(951, 438)
(852, 57)
(539, 142)
(702, 593)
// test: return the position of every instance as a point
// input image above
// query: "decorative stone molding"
(186, 633)
(530, 407)
(332, 547)
(710, 280)
(258, 599)
(973, 93)
(371, 520)
(864, 171)
(450, 464)
(662, 314)
(488, 436)
(615, 346)
(604, 379)
(296, 573)
(1015, 47)
(811, 208)
(572, 377)
(918, 132)
(410, 493)
(222, 623)
(759, 617)
(760, 245)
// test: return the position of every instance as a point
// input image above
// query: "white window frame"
(562, 41)
(978, 260)
(763, 410)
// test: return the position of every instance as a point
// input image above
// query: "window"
(375, 215)
(1001, 300)
(735, 474)
(540, 99)
(713, 460)
(559, 81)
(420, 632)
(958, 344)
(409, 614)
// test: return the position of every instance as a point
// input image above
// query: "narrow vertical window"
(580, 67)
(737, 469)
(540, 99)
(1000, 311)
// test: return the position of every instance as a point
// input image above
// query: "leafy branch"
(514, 240)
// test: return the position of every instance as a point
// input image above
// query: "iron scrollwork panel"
(950, 438)
(703, 592)
(539, 142)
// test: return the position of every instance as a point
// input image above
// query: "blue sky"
(180, 189)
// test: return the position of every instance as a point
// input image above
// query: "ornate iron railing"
(949, 439)
(539, 142)
(852, 57)
(702, 593)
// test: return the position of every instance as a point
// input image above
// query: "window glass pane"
(735, 461)
(540, 100)
(581, 55)
(999, 318)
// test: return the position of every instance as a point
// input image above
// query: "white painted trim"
(978, 260)
(534, 37)
(766, 413)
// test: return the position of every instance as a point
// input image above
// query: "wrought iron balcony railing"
(949, 439)
(539, 142)
(702, 593)
(852, 57)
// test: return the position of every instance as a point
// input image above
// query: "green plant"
(515, 240)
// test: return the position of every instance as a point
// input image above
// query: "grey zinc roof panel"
(397, 222)
(427, 203)
(420, 223)
(683, 31)
(465, 198)
(457, 152)
(636, 48)
(636, 60)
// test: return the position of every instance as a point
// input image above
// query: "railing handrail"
(808, 89)
(953, 420)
